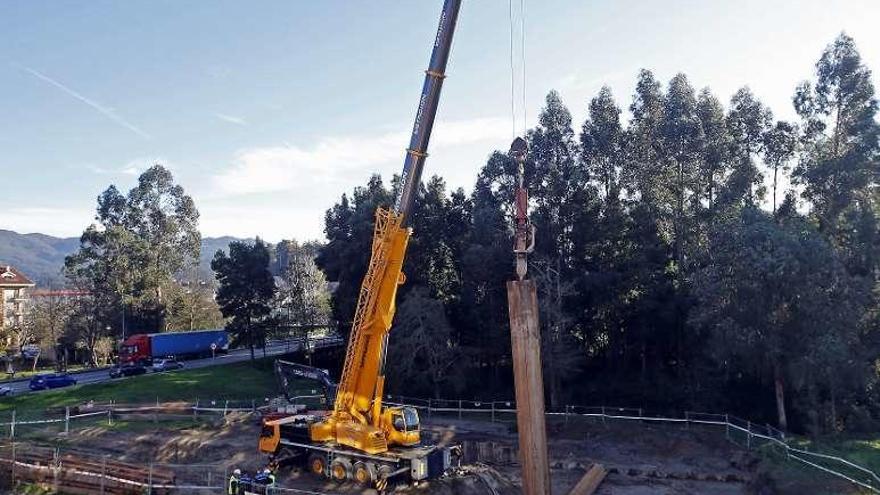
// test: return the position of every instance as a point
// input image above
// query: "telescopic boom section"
(358, 419)
(421, 132)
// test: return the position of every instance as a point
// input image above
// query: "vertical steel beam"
(525, 338)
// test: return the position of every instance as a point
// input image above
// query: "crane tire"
(318, 464)
(363, 472)
(340, 469)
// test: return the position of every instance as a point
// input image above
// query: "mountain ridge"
(40, 257)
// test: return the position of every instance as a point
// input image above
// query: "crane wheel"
(340, 469)
(318, 464)
(364, 472)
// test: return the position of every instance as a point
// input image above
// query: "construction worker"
(234, 483)
(265, 477)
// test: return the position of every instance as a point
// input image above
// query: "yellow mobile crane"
(361, 438)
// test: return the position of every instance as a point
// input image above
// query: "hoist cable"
(512, 73)
(522, 8)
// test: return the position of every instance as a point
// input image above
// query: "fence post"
(109, 417)
(12, 428)
(749, 435)
(225, 408)
(150, 479)
(566, 415)
(13, 455)
(640, 412)
(196, 409)
(687, 420)
(430, 409)
(493, 411)
(603, 415)
(253, 406)
(726, 427)
(103, 473)
(459, 408)
(67, 420)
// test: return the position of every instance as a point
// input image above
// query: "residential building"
(13, 294)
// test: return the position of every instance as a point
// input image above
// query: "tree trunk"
(250, 338)
(780, 396)
(775, 170)
(833, 407)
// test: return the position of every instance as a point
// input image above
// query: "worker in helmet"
(265, 477)
(234, 483)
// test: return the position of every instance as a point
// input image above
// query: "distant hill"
(40, 257)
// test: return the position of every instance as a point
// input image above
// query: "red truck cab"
(136, 350)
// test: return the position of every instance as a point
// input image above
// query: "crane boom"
(358, 419)
(417, 152)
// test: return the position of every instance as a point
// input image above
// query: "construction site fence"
(68, 470)
(742, 432)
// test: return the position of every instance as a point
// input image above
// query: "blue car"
(54, 380)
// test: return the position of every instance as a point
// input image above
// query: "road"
(273, 348)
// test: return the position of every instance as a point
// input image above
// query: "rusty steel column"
(525, 339)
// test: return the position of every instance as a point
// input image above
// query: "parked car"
(54, 380)
(4, 391)
(167, 364)
(127, 370)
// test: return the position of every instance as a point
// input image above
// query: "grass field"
(862, 450)
(239, 381)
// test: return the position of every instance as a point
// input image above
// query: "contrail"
(110, 114)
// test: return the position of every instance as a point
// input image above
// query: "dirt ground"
(641, 459)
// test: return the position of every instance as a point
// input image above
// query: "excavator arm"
(358, 419)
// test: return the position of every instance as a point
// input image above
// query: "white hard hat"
(237, 472)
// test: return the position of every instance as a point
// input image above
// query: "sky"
(266, 112)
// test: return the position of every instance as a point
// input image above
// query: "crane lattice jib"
(373, 314)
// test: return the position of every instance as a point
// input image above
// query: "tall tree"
(246, 290)
(779, 288)
(137, 245)
(747, 120)
(715, 159)
(165, 218)
(780, 145)
(304, 290)
(840, 131)
(423, 353)
(602, 142)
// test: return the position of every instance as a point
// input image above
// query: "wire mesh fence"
(15, 427)
(744, 433)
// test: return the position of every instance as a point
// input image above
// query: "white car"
(4, 391)
(166, 365)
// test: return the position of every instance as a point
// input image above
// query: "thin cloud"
(232, 119)
(337, 158)
(107, 112)
(132, 168)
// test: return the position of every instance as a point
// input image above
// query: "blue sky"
(266, 112)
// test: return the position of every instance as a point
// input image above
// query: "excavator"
(361, 438)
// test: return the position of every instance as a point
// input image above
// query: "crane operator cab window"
(406, 419)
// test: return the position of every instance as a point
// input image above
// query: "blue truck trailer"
(143, 348)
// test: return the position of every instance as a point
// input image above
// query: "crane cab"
(402, 425)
